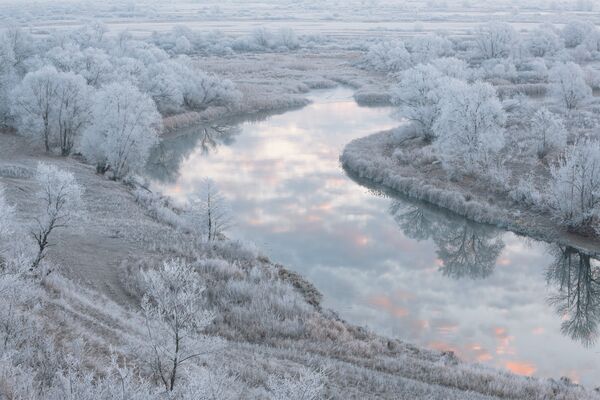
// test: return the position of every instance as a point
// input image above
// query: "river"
(398, 267)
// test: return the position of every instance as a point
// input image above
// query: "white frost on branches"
(470, 127)
(175, 318)
(125, 126)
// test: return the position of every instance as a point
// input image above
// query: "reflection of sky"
(291, 197)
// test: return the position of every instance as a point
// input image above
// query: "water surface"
(400, 267)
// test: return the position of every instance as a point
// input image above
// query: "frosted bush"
(453, 67)
(525, 192)
(388, 57)
(543, 42)
(308, 385)
(575, 33)
(568, 85)
(575, 186)
(52, 105)
(548, 132)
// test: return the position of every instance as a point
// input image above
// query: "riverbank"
(277, 322)
(279, 82)
(373, 159)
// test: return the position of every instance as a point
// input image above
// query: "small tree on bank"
(211, 214)
(175, 318)
(60, 196)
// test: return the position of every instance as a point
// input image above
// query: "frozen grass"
(15, 172)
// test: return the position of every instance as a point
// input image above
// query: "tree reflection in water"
(166, 158)
(466, 249)
(577, 298)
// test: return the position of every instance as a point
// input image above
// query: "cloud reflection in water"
(400, 267)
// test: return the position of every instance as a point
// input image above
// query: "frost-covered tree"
(173, 84)
(123, 129)
(417, 96)
(8, 78)
(71, 112)
(495, 40)
(34, 101)
(575, 33)
(262, 37)
(592, 41)
(469, 129)
(21, 44)
(60, 197)
(210, 211)
(388, 56)
(453, 68)
(548, 132)
(183, 45)
(96, 67)
(543, 42)
(175, 318)
(575, 186)
(53, 105)
(429, 47)
(164, 85)
(91, 34)
(201, 90)
(568, 85)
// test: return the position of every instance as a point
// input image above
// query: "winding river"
(399, 267)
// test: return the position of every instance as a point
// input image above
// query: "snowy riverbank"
(372, 159)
